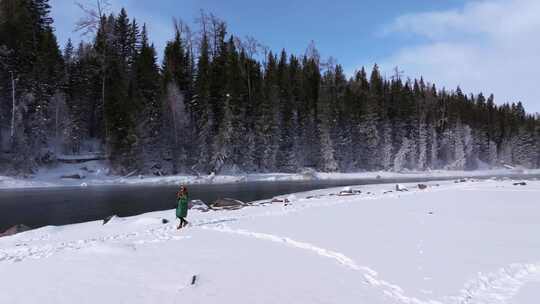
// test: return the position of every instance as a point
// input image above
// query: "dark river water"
(59, 206)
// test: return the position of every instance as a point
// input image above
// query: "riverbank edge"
(10, 183)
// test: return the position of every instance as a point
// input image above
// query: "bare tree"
(312, 52)
(180, 26)
(184, 30)
(211, 26)
(203, 22)
(91, 20)
(217, 26)
(265, 50)
(250, 46)
(329, 64)
(397, 74)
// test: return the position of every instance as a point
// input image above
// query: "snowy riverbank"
(94, 173)
(468, 242)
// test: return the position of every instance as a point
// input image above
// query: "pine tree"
(34, 64)
(119, 115)
(178, 129)
(308, 110)
(401, 155)
(203, 113)
(146, 86)
(386, 151)
(328, 160)
(460, 156)
(369, 134)
(356, 101)
(368, 127)
(326, 113)
(525, 149)
(223, 143)
(237, 97)
(218, 75)
(286, 154)
(123, 36)
(422, 145)
(266, 123)
(434, 148)
(468, 144)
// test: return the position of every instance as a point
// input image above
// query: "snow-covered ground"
(95, 173)
(471, 242)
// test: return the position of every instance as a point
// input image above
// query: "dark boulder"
(227, 203)
(198, 205)
(73, 176)
(401, 188)
(14, 230)
(280, 200)
(108, 219)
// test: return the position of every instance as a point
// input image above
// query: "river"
(60, 206)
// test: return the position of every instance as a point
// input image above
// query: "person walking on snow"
(182, 207)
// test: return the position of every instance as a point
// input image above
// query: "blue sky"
(451, 42)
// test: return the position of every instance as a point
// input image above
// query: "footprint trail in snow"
(493, 288)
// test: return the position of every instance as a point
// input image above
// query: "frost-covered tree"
(386, 146)
(468, 147)
(422, 146)
(178, 129)
(369, 135)
(525, 149)
(267, 138)
(288, 120)
(492, 154)
(401, 155)
(31, 64)
(147, 94)
(505, 152)
(201, 107)
(434, 147)
(459, 156)
(223, 148)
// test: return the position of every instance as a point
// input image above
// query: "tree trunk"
(56, 127)
(13, 105)
(248, 83)
(103, 103)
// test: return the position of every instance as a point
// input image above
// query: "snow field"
(472, 242)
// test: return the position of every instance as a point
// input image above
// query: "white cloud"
(486, 46)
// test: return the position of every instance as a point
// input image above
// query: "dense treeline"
(219, 104)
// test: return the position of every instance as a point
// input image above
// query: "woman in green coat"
(182, 207)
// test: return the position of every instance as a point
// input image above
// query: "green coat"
(182, 208)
